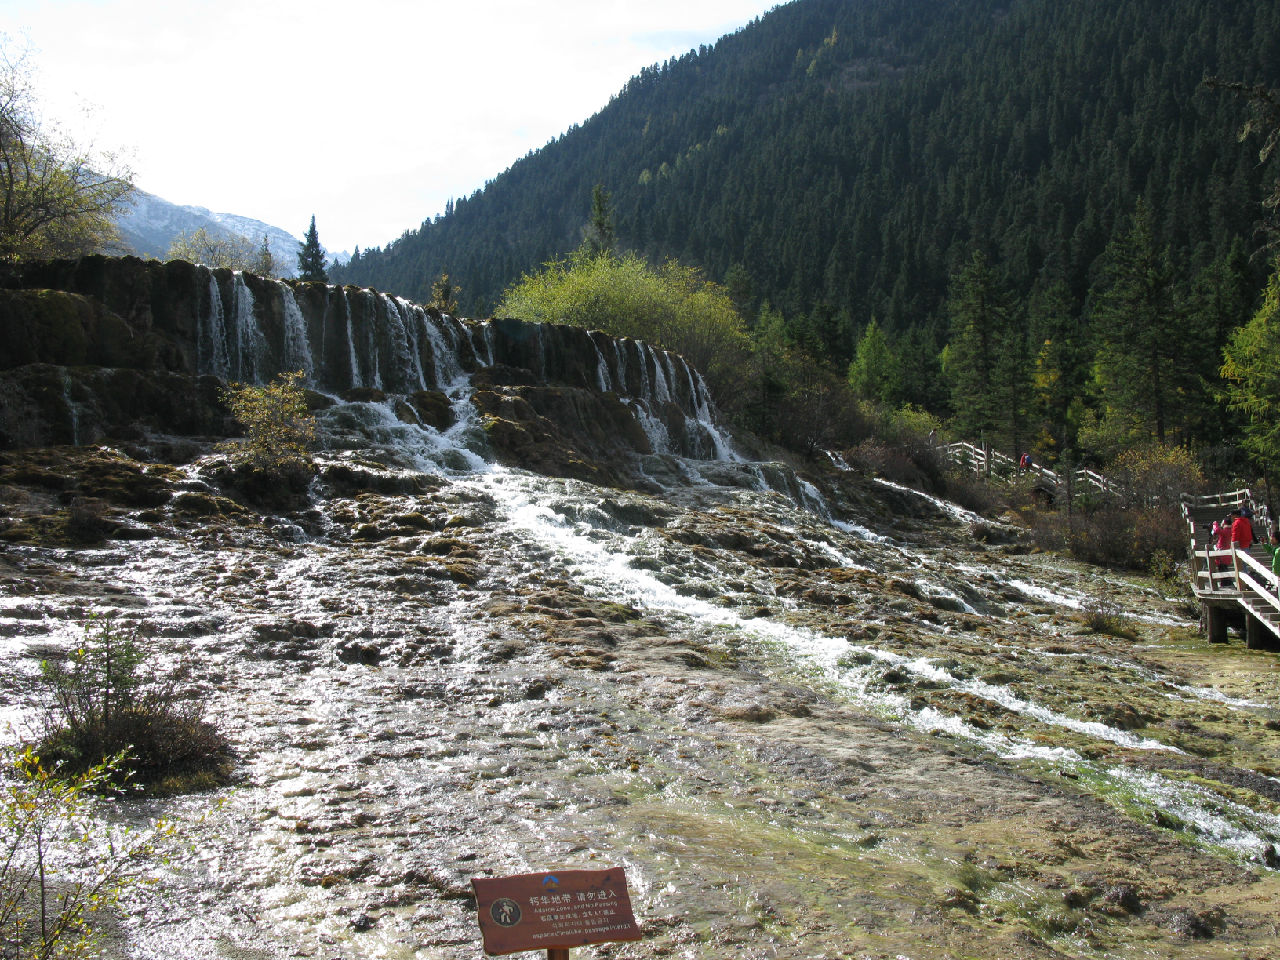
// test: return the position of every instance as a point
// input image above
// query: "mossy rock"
(430, 407)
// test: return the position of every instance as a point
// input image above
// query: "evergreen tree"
(873, 373)
(1145, 366)
(985, 359)
(1221, 299)
(311, 256)
(1251, 367)
(264, 264)
(598, 235)
(1060, 356)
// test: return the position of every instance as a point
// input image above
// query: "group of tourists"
(1236, 530)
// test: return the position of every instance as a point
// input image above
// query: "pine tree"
(1060, 359)
(311, 257)
(984, 359)
(598, 235)
(874, 371)
(1251, 367)
(264, 264)
(1145, 366)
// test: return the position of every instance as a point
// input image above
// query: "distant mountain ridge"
(150, 224)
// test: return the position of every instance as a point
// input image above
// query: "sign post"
(554, 911)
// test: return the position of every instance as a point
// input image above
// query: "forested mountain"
(842, 158)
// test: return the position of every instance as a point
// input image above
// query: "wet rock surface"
(864, 734)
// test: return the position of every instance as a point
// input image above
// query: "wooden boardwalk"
(1228, 583)
(994, 464)
(1232, 581)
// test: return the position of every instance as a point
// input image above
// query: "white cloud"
(370, 115)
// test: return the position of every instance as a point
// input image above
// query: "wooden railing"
(990, 462)
(1243, 581)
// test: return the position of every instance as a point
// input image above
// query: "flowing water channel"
(812, 718)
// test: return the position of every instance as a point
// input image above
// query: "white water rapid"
(807, 725)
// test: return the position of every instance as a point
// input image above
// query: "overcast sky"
(369, 114)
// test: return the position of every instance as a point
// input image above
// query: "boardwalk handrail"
(1244, 580)
(1264, 590)
(1232, 498)
(984, 460)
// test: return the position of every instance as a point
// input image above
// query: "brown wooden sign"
(559, 908)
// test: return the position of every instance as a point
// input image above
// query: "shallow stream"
(805, 730)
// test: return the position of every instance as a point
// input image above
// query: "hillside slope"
(849, 155)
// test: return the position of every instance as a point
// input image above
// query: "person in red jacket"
(1222, 539)
(1241, 530)
(1241, 538)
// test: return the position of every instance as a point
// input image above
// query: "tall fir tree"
(1145, 365)
(1251, 368)
(1060, 354)
(264, 262)
(311, 257)
(599, 236)
(873, 372)
(985, 360)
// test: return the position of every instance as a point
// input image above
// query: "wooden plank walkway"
(992, 463)
(1229, 580)
(1226, 582)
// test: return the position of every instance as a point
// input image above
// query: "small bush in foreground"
(58, 867)
(1102, 616)
(107, 699)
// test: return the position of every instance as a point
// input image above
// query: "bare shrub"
(108, 698)
(1105, 617)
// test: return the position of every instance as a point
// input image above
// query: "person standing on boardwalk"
(1222, 541)
(1273, 548)
(1241, 539)
(1241, 531)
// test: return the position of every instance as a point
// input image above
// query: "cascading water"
(802, 736)
(211, 342)
(297, 345)
(250, 345)
(365, 340)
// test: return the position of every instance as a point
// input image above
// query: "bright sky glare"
(369, 114)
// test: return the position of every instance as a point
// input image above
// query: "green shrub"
(671, 306)
(58, 866)
(107, 699)
(279, 430)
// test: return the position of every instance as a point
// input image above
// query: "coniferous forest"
(867, 167)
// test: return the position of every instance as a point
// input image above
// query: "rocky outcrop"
(111, 348)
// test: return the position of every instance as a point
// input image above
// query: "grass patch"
(1103, 617)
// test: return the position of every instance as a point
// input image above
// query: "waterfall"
(73, 409)
(444, 354)
(404, 343)
(370, 341)
(703, 414)
(211, 342)
(249, 341)
(602, 369)
(661, 393)
(356, 379)
(621, 358)
(644, 367)
(297, 349)
(486, 340)
(253, 330)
